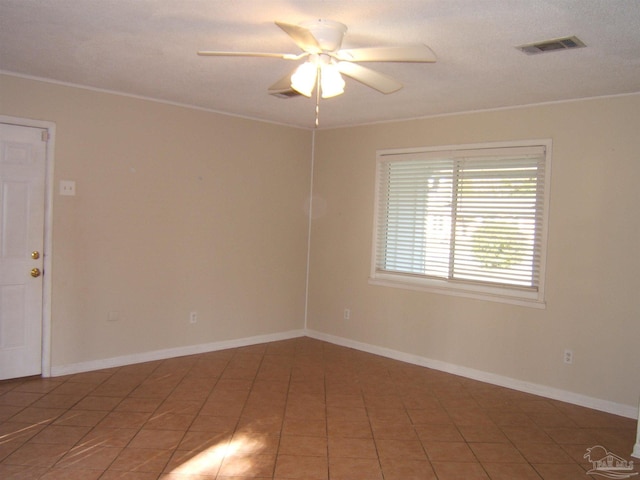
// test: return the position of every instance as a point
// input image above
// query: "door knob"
(35, 272)
(35, 255)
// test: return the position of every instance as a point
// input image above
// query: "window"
(466, 220)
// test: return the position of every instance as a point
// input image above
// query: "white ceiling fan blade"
(286, 56)
(302, 37)
(411, 53)
(370, 78)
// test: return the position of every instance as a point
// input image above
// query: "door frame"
(50, 127)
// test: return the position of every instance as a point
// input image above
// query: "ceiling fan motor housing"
(328, 33)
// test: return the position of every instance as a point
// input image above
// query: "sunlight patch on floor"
(240, 449)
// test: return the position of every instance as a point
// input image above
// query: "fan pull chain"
(318, 97)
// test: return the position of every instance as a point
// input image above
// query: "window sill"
(477, 292)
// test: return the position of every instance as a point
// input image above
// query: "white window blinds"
(469, 216)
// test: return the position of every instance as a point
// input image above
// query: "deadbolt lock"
(35, 255)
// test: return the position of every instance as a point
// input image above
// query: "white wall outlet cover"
(67, 187)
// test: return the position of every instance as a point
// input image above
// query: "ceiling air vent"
(565, 43)
(285, 93)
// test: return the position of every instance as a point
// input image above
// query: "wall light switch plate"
(67, 187)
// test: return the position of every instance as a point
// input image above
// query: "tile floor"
(295, 409)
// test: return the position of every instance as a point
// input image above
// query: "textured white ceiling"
(148, 48)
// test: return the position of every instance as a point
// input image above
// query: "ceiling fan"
(320, 41)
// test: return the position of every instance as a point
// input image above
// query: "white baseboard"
(73, 368)
(628, 411)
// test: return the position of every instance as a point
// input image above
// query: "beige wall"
(177, 210)
(593, 266)
(180, 210)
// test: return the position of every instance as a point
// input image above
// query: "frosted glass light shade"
(304, 78)
(331, 82)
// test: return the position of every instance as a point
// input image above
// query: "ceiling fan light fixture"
(304, 78)
(331, 82)
(322, 72)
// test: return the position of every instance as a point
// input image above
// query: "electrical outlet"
(347, 314)
(193, 317)
(67, 187)
(568, 356)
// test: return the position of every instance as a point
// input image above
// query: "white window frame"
(478, 290)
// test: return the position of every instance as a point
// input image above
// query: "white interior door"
(22, 190)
